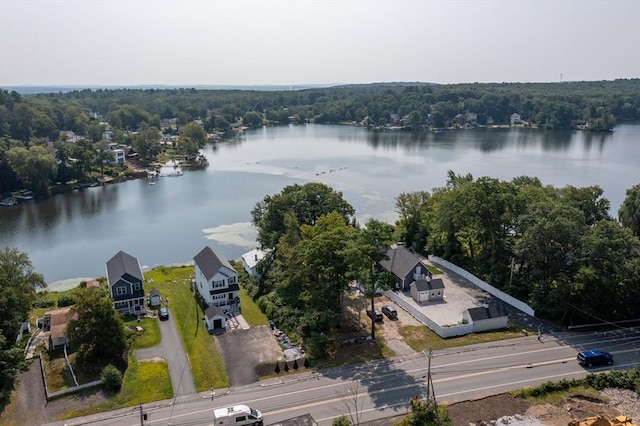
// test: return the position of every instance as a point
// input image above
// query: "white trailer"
(237, 415)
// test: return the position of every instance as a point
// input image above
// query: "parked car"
(163, 314)
(594, 357)
(390, 312)
(374, 315)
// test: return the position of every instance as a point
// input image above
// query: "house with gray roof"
(427, 290)
(405, 266)
(215, 279)
(126, 283)
(486, 317)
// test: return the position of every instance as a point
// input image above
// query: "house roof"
(400, 261)
(210, 262)
(120, 264)
(485, 312)
(214, 311)
(434, 284)
(58, 320)
(93, 283)
(253, 257)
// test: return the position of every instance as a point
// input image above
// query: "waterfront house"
(251, 259)
(405, 266)
(126, 283)
(216, 280)
(55, 323)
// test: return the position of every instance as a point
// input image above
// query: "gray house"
(487, 317)
(126, 283)
(405, 266)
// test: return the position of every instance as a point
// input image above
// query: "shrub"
(111, 378)
(43, 301)
(66, 300)
(341, 421)
(317, 345)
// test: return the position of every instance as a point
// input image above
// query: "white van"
(237, 415)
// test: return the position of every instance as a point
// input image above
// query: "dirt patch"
(494, 407)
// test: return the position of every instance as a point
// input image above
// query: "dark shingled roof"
(482, 313)
(434, 284)
(400, 261)
(210, 262)
(123, 263)
(214, 311)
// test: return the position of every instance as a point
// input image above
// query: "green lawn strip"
(421, 338)
(250, 311)
(556, 397)
(149, 337)
(143, 382)
(205, 361)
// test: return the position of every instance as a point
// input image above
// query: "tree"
(98, 333)
(629, 212)
(410, 207)
(111, 378)
(18, 285)
(196, 133)
(307, 203)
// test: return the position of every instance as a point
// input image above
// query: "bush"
(43, 301)
(341, 421)
(317, 345)
(66, 300)
(111, 378)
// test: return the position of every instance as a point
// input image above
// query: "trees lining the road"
(18, 285)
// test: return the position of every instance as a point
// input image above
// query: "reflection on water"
(73, 234)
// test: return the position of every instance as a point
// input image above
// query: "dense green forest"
(36, 149)
(554, 248)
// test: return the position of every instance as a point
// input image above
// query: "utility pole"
(141, 416)
(431, 393)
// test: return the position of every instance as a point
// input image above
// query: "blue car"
(594, 357)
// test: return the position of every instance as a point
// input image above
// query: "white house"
(251, 259)
(216, 280)
(427, 290)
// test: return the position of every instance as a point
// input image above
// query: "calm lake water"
(73, 235)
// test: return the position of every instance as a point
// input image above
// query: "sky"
(241, 42)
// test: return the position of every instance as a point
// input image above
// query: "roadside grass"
(148, 338)
(206, 362)
(144, 381)
(250, 311)
(421, 338)
(556, 397)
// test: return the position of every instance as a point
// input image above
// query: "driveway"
(171, 350)
(244, 349)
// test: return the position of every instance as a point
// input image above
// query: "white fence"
(455, 330)
(518, 304)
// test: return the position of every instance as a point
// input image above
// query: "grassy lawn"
(250, 311)
(205, 360)
(421, 338)
(555, 398)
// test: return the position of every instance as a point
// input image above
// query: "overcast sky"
(127, 42)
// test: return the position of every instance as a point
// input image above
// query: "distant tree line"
(35, 154)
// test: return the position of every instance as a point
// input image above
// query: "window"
(121, 290)
(232, 279)
(433, 293)
(241, 419)
(218, 284)
(136, 286)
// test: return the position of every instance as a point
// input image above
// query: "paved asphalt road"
(383, 387)
(171, 349)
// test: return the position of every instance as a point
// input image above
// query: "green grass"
(148, 338)
(421, 338)
(433, 269)
(143, 382)
(250, 311)
(556, 397)
(206, 362)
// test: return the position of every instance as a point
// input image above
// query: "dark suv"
(390, 311)
(374, 315)
(594, 357)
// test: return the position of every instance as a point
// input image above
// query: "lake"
(73, 235)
